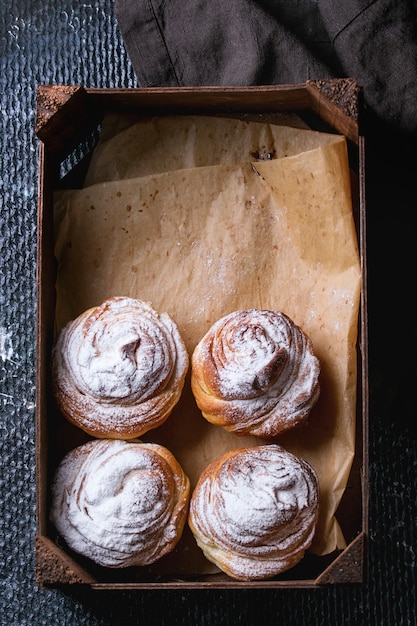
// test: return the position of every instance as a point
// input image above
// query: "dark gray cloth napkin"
(255, 42)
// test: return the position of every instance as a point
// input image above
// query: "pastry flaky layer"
(120, 503)
(254, 511)
(255, 372)
(119, 368)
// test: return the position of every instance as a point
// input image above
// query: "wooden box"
(67, 119)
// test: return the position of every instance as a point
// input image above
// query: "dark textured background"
(73, 42)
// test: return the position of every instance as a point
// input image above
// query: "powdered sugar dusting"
(248, 349)
(117, 502)
(126, 357)
(120, 364)
(261, 369)
(254, 511)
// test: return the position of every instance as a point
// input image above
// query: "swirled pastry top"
(120, 503)
(119, 368)
(255, 372)
(254, 511)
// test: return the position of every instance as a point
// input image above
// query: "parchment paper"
(205, 240)
(162, 144)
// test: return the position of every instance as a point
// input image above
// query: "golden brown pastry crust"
(120, 503)
(119, 368)
(254, 372)
(254, 511)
